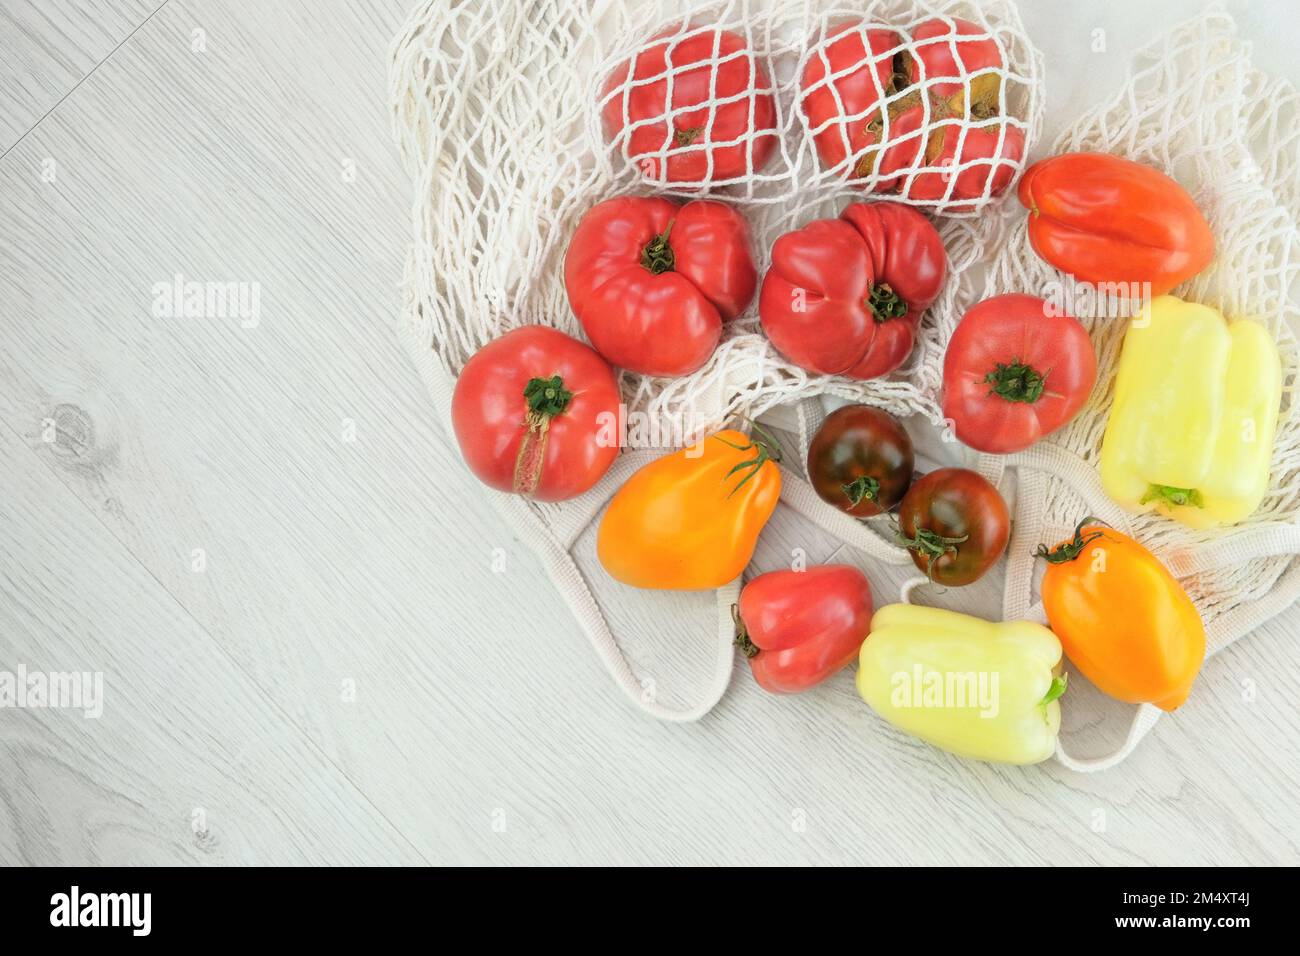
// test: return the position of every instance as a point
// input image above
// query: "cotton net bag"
(497, 111)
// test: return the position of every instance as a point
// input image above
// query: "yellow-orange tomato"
(1122, 618)
(689, 521)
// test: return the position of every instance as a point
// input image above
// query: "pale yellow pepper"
(1195, 410)
(974, 688)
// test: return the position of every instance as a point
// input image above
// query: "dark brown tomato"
(955, 524)
(861, 460)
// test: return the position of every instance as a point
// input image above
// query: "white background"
(346, 679)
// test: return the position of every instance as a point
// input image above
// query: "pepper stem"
(1016, 382)
(1071, 549)
(1173, 497)
(657, 256)
(862, 487)
(747, 647)
(884, 303)
(1056, 690)
(765, 449)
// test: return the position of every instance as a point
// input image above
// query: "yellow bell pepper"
(1196, 404)
(977, 689)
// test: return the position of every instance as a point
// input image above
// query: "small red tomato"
(682, 138)
(534, 412)
(652, 281)
(1015, 370)
(861, 460)
(840, 109)
(799, 627)
(844, 296)
(938, 57)
(981, 165)
(955, 524)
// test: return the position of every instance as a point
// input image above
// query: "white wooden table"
(259, 534)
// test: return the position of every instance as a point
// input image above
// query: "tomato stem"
(932, 545)
(685, 137)
(765, 450)
(1017, 382)
(884, 303)
(1071, 549)
(657, 256)
(547, 396)
(864, 486)
(747, 647)
(1173, 497)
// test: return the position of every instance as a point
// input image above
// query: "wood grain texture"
(372, 667)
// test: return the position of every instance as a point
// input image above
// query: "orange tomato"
(689, 520)
(1122, 618)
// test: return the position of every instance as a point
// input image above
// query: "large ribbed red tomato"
(535, 413)
(661, 99)
(652, 282)
(844, 296)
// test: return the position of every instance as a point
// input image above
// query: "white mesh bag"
(497, 111)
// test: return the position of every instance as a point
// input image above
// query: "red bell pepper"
(799, 627)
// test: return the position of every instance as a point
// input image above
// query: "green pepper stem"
(1173, 497)
(1056, 690)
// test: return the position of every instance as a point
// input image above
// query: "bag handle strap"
(1144, 718)
(564, 573)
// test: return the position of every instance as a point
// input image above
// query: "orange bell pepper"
(1110, 221)
(689, 520)
(1122, 618)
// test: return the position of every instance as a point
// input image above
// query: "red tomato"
(680, 139)
(799, 627)
(843, 112)
(937, 54)
(955, 524)
(652, 282)
(844, 296)
(861, 460)
(536, 413)
(1015, 370)
(980, 143)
